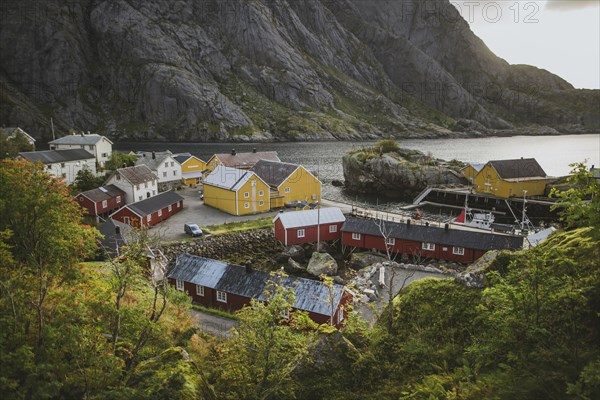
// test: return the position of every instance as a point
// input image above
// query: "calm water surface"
(554, 153)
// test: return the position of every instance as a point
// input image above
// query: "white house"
(98, 145)
(166, 168)
(13, 132)
(63, 163)
(138, 182)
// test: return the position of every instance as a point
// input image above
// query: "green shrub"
(388, 145)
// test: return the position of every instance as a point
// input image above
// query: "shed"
(150, 211)
(308, 226)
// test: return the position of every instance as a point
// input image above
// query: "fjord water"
(554, 153)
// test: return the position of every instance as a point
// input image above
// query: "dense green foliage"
(387, 145)
(120, 160)
(86, 180)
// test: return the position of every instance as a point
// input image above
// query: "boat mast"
(524, 209)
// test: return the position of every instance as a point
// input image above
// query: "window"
(428, 246)
(179, 284)
(104, 203)
(246, 195)
(137, 187)
(91, 147)
(149, 217)
(146, 185)
(300, 233)
(261, 193)
(314, 196)
(50, 167)
(261, 203)
(62, 165)
(81, 199)
(118, 199)
(458, 250)
(179, 203)
(332, 228)
(287, 189)
(139, 197)
(160, 213)
(285, 313)
(105, 155)
(390, 241)
(172, 163)
(340, 315)
(118, 177)
(246, 205)
(200, 290)
(253, 183)
(165, 174)
(221, 296)
(170, 208)
(174, 173)
(356, 236)
(166, 165)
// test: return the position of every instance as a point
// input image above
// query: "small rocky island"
(386, 169)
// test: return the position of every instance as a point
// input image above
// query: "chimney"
(254, 150)
(426, 223)
(82, 134)
(153, 155)
(117, 230)
(233, 152)
(248, 266)
(408, 222)
(446, 226)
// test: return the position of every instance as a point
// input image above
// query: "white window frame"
(104, 203)
(428, 246)
(261, 203)
(458, 250)
(332, 228)
(287, 189)
(261, 192)
(390, 241)
(170, 208)
(340, 317)
(221, 296)
(285, 313)
(300, 233)
(160, 213)
(149, 217)
(246, 205)
(166, 165)
(355, 236)
(200, 290)
(118, 199)
(246, 195)
(179, 284)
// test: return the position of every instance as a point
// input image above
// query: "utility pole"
(52, 125)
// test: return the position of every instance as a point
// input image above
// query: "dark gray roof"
(154, 203)
(274, 172)
(103, 193)
(137, 174)
(311, 295)
(57, 156)
(181, 159)
(518, 168)
(431, 234)
(246, 160)
(153, 163)
(79, 139)
(113, 241)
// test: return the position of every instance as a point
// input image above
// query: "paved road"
(194, 211)
(213, 324)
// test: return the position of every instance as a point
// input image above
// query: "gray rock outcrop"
(322, 263)
(268, 69)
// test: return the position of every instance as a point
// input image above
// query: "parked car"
(192, 230)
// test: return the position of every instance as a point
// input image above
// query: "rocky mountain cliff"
(267, 70)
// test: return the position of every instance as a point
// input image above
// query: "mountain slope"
(265, 70)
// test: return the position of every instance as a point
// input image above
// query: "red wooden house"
(150, 211)
(230, 287)
(298, 227)
(101, 200)
(427, 242)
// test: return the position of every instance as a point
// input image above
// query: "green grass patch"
(214, 311)
(242, 226)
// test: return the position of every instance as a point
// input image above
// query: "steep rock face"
(264, 70)
(396, 175)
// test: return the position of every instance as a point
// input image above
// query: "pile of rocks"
(259, 245)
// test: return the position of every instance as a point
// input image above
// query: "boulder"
(293, 267)
(359, 261)
(322, 263)
(295, 252)
(474, 275)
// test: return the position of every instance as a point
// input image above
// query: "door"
(126, 220)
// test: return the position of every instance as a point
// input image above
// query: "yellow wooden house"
(471, 171)
(192, 169)
(240, 160)
(511, 178)
(236, 191)
(288, 182)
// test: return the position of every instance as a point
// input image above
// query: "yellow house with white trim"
(236, 191)
(511, 178)
(192, 169)
(471, 171)
(288, 182)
